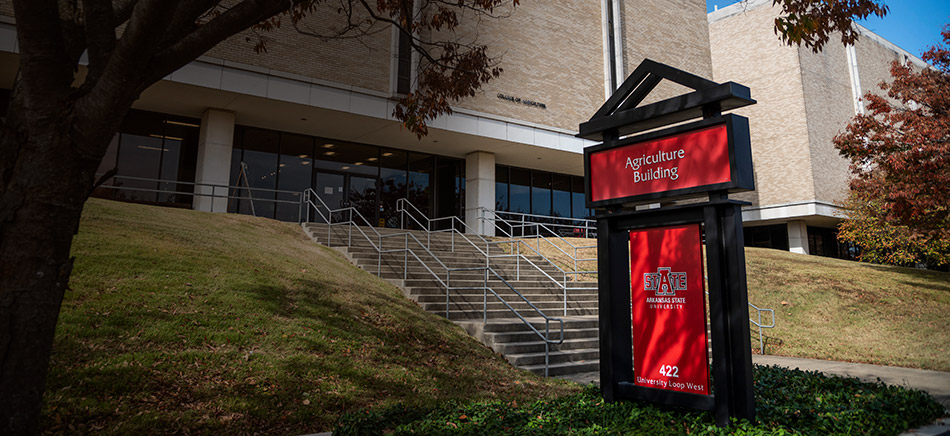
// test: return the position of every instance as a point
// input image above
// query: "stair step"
(528, 336)
(566, 368)
(542, 284)
(538, 346)
(563, 356)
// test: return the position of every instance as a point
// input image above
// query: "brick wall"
(551, 53)
(829, 106)
(673, 32)
(745, 50)
(363, 62)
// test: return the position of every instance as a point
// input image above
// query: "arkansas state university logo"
(664, 282)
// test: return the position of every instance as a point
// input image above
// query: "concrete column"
(215, 140)
(479, 190)
(798, 237)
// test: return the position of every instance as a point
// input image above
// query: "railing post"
(448, 284)
(300, 210)
(405, 259)
(485, 298)
(518, 261)
(547, 345)
(761, 344)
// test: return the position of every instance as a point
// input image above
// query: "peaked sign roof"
(621, 113)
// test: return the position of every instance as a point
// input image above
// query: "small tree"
(899, 200)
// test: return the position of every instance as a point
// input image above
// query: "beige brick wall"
(829, 106)
(673, 32)
(745, 50)
(363, 62)
(874, 64)
(552, 53)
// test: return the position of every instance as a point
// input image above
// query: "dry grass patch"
(185, 322)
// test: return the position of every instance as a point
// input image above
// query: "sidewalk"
(935, 383)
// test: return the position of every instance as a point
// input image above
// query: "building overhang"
(816, 213)
(272, 99)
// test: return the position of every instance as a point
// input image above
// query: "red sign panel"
(682, 161)
(669, 309)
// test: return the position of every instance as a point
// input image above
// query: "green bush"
(787, 402)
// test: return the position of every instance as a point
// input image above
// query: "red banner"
(669, 309)
(686, 160)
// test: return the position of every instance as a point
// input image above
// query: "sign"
(713, 154)
(669, 309)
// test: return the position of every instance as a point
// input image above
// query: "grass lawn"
(841, 310)
(186, 322)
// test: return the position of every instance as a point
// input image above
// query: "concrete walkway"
(936, 383)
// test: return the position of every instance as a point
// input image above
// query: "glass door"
(329, 187)
(361, 194)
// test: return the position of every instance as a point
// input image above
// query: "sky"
(913, 25)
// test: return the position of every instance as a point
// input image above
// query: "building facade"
(309, 113)
(804, 100)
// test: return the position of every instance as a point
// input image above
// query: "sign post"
(656, 265)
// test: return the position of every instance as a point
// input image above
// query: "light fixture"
(358, 163)
(346, 167)
(328, 146)
(282, 165)
(145, 147)
(303, 156)
(173, 138)
(372, 159)
(329, 153)
(179, 123)
(387, 154)
(306, 162)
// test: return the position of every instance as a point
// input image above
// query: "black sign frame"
(724, 263)
(720, 217)
(740, 160)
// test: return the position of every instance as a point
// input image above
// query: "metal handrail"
(401, 207)
(760, 325)
(547, 319)
(213, 194)
(523, 225)
(586, 224)
(310, 194)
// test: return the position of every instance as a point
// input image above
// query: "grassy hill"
(840, 310)
(186, 322)
(850, 311)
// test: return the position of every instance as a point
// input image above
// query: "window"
(501, 188)
(404, 65)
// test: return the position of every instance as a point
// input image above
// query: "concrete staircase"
(501, 330)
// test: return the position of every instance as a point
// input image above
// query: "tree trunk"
(43, 184)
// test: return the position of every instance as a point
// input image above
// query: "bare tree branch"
(203, 38)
